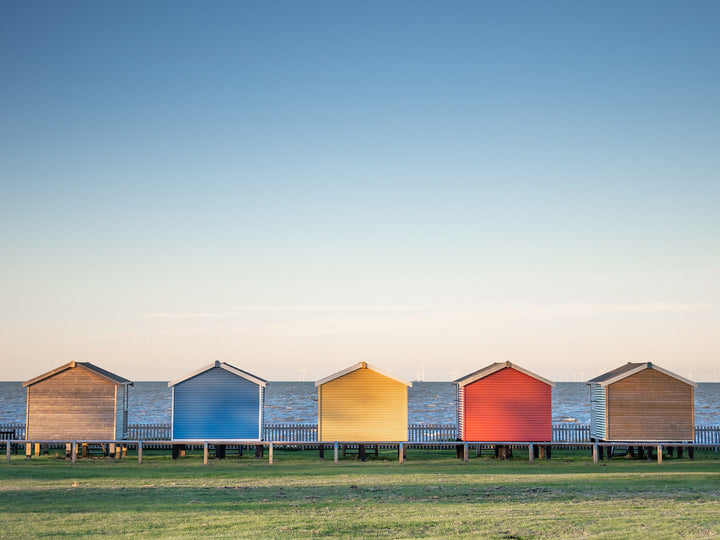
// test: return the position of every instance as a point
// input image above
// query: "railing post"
(139, 452)
(270, 453)
(335, 459)
(531, 452)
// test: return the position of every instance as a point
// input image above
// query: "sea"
(295, 402)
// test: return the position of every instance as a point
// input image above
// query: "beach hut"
(77, 401)
(641, 402)
(362, 403)
(504, 402)
(218, 402)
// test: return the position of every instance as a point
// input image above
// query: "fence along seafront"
(425, 433)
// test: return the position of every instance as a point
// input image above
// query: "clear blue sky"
(293, 187)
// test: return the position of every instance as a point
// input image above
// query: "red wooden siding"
(507, 405)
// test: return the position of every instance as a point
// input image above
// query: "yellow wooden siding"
(362, 406)
(71, 405)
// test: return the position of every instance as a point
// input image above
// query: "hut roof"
(87, 366)
(222, 365)
(497, 366)
(361, 365)
(630, 369)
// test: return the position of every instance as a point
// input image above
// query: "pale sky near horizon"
(294, 187)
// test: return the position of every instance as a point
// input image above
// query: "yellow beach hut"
(362, 403)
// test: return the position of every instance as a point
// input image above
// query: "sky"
(295, 187)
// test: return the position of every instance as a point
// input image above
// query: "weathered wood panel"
(649, 406)
(71, 405)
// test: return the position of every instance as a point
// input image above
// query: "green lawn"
(431, 495)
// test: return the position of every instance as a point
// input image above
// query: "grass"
(431, 495)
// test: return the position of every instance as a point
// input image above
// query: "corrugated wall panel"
(216, 404)
(71, 405)
(598, 412)
(508, 406)
(362, 406)
(460, 403)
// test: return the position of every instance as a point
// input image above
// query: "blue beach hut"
(218, 402)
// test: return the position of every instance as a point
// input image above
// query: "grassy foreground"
(431, 495)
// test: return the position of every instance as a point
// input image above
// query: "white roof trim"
(361, 365)
(226, 367)
(642, 367)
(494, 368)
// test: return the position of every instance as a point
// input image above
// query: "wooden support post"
(531, 452)
(118, 451)
(74, 451)
(466, 452)
(7, 451)
(335, 448)
(220, 451)
(671, 451)
(459, 451)
(206, 451)
(28, 451)
(401, 453)
(321, 451)
(344, 450)
(259, 451)
(547, 451)
(649, 450)
(691, 452)
(139, 452)
(37, 449)
(270, 453)
(659, 451)
(175, 449)
(112, 450)
(680, 452)
(84, 450)
(377, 450)
(595, 452)
(361, 452)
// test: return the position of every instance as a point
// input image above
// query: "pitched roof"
(495, 367)
(630, 369)
(361, 365)
(87, 366)
(222, 365)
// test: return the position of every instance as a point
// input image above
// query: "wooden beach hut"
(504, 402)
(218, 402)
(641, 402)
(77, 401)
(362, 403)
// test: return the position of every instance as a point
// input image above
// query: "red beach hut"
(505, 403)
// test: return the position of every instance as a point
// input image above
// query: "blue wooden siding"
(216, 404)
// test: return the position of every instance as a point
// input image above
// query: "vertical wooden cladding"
(75, 404)
(506, 405)
(650, 406)
(362, 405)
